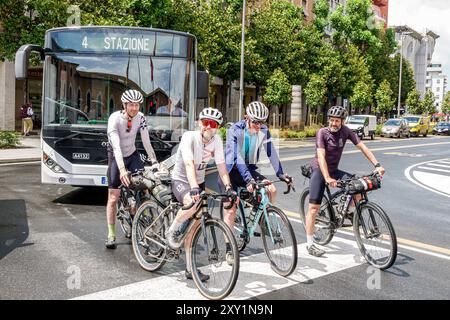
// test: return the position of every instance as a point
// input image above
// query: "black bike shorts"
(132, 163)
(317, 184)
(180, 189)
(237, 180)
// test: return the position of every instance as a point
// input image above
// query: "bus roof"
(181, 33)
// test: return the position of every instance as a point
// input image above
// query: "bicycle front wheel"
(279, 241)
(323, 232)
(375, 235)
(147, 237)
(209, 255)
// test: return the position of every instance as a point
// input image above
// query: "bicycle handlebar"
(204, 196)
(343, 183)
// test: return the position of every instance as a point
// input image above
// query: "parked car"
(442, 128)
(397, 128)
(418, 125)
(362, 125)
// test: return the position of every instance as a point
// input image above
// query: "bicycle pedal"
(256, 234)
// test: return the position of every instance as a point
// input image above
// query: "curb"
(5, 161)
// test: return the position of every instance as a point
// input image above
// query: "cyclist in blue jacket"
(243, 148)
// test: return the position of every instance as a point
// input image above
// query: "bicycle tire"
(267, 238)
(213, 260)
(141, 222)
(326, 233)
(374, 208)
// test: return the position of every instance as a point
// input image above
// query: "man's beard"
(334, 130)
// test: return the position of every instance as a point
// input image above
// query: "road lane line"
(410, 177)
(357, 151)
(434, 169)
(421, 247)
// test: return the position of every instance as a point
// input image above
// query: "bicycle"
(208, 253)
(275, 227)
(131, 198)
(377, 244)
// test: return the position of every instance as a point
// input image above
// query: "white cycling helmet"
(257, 111)
(132, 96)
(212, 114)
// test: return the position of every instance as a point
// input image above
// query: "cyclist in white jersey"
(195, 150)
(123, 127)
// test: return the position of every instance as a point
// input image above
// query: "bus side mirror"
(22, 57)
(202, 85)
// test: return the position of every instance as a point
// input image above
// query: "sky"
(433, 15)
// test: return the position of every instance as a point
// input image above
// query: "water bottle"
(184, 226)
(252, 216)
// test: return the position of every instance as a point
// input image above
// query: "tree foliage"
(279, 90)
(384, 98)
(446, 104)
(413, 102)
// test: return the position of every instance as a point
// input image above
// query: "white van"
(364, 125)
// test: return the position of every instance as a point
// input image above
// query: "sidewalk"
(29, 150)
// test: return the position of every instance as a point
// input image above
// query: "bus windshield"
(82, 90)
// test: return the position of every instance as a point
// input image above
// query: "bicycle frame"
(265, 202)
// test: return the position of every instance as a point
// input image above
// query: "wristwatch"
(378, 165)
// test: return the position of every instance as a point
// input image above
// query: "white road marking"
(437, 183)
(439, 165)
(255, 276)
(433, 169)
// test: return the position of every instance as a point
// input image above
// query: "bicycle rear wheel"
(375, 235)
(208, 255)
(279, 241)
(148, 245)
(323, 232)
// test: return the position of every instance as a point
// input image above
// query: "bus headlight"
(49, 162)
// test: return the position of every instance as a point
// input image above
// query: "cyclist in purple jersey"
(330, 144)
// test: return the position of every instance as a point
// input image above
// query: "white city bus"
(86, 70)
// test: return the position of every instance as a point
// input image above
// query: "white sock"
(309, 240)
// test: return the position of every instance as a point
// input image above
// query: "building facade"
(418, 49)
(437, 83)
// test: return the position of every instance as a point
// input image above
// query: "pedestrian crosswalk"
(255, 276)
(431, 175)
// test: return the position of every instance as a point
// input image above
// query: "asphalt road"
(50, 233)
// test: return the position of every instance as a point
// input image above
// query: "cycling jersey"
(242, 150)
(333, 143)
(191, 147)
(122, 137)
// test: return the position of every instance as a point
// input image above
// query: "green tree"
(279, 90)
(446, 104)
(384, 98)
(362, 95)
(315, 92)
(427, 104)
(274, 29)
(413, 102)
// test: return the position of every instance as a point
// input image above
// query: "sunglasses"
(256, 122)
(211, 123)
(128, 125)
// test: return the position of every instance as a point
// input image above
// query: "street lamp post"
(241, 85)
(402, 34)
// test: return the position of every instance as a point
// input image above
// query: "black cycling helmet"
(337, 112)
